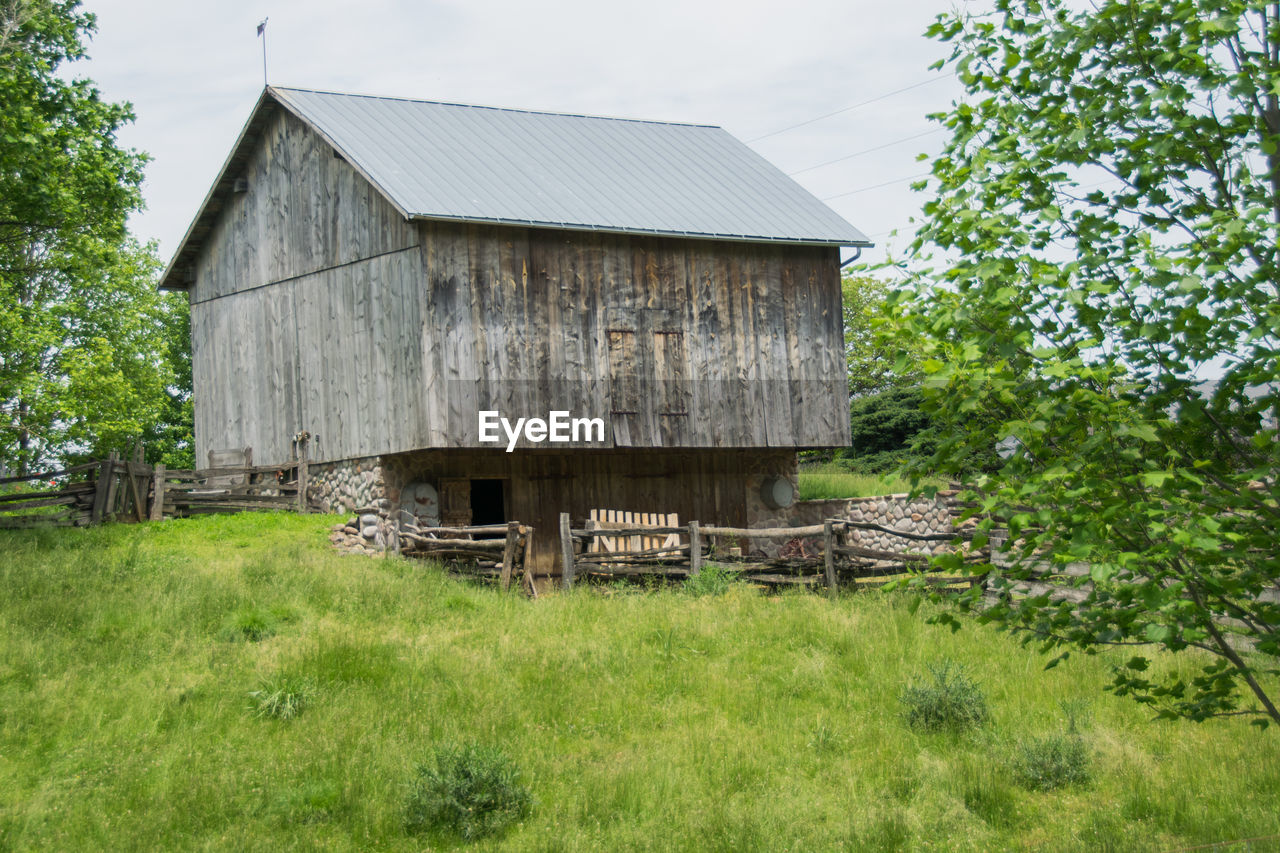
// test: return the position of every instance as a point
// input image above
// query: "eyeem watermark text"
(558, 428)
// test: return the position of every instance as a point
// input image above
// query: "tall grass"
(653, 721)
(832, 481)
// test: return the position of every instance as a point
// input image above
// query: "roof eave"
(852, 243)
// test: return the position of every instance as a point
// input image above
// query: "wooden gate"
(605, 519)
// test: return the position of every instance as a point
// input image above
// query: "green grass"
(655, 721)
(831, 481)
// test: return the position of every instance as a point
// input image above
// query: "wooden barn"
(388, 279)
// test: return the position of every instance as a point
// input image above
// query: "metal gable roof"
(446, 161)
(449, 161)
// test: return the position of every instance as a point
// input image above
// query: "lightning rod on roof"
(262, 34)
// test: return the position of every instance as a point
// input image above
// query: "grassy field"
(640, 720)
(831, 480)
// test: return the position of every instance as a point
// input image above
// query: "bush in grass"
(1055, 761)
(948, 701)
(468, 791)
(252, 624)
(281, 698)
(710, 580)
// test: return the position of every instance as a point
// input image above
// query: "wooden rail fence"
(131, 490)
(496, 549)
(701, 544)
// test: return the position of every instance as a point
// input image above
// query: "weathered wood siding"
(317, 307)
(308, 231)
(675, 343)
(303, 210)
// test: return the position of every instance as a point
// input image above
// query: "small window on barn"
(669, 365)
(624, 382)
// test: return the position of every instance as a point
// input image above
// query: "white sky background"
(193, 72)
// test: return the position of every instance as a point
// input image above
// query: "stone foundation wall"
(372, 485)
(347, 485)
(759, 469)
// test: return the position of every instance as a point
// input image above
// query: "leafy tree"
(1105, 234)
(81, 325)
(884, 409)
(887, 428)
(892, 428)
(169, 439)
(875, 363)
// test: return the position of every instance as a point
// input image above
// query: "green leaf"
(1057, 660)
(1156, 479)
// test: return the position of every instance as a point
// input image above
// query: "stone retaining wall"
(347, 485)
(897, 512)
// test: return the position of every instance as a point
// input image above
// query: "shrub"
(710, 580)
(281, 698)
(468, 791)
(1044, 764)
(949, 701)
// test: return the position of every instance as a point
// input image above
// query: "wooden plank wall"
(676, 343)
(318, 308)
(307, 246)
(304, 210)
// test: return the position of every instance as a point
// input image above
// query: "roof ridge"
(487, 107)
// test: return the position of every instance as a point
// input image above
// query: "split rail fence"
(129, 490)
(834, 561)
(495, 549)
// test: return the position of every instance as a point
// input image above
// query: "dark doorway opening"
(487, 505)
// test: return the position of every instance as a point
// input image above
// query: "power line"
(867, 151)
(878, 186)
(884, 233)
(855, 106)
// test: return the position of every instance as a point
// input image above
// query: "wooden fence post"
(109, 502)
(695, 548)
(509, 553)
(302, 475)
(526, 568)
(157, 500)
(829, 556)
(139, 509)
(100, 492)
(566, 551)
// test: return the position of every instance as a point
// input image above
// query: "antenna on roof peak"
(262, 34)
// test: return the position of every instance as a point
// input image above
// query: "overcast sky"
(194, 70)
